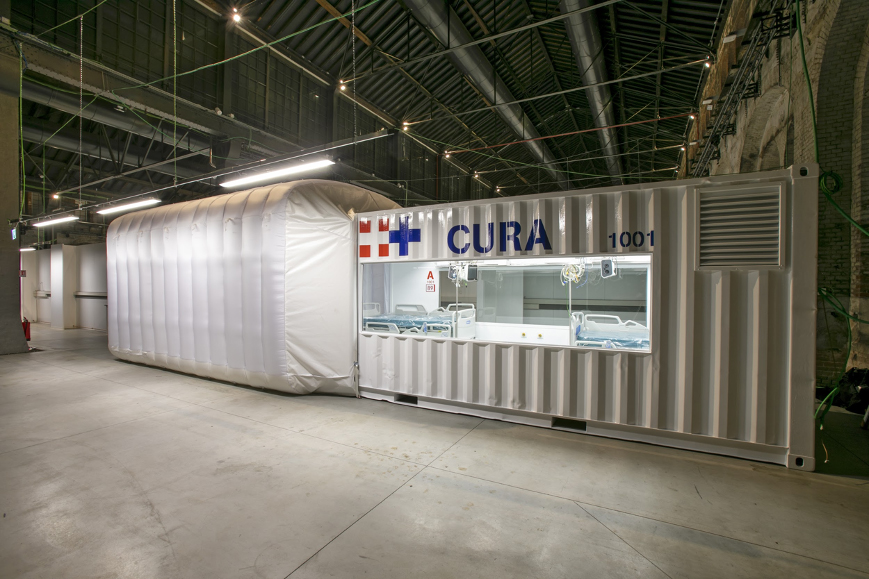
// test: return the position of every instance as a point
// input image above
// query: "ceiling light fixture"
(128, 206)
(56, 221)
(55, 196)
(27, 249)
(707, 65)
(691, 117)
(279, 173)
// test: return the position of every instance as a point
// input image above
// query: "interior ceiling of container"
(276, 92)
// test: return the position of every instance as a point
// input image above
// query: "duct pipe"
(446, 26)
(40, 132)
(107, 115)
(588, 51)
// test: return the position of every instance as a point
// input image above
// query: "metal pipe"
(449, 30)
(108, 115)
(585, 40)
(43, 133)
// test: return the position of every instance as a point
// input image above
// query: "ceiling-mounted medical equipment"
(462, 272)
(572, 273)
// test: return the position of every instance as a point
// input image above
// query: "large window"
(589, 302)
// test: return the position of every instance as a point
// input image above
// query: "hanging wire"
(352, 13)
(73, 19)
(174, 94)
(21, 129)
(80, 101)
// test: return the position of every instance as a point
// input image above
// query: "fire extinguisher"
(26, 325)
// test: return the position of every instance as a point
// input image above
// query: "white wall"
(91, 278)
(37, 264)
(79, 269)
(63, 279)
(43, 305)
(29, 283)
(409, 284)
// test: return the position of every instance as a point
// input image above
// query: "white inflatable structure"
(255, 287)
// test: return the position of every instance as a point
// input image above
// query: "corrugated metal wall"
(732, 349)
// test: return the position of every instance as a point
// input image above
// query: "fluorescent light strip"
(27, 249)
(278, 173)
(128, 206)
(55, 221)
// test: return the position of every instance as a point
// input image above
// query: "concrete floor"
(115, 470)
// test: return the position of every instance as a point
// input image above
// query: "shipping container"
(677, 313)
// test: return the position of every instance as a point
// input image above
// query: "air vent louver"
(740, 230)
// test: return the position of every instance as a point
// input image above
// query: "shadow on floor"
(847, 445)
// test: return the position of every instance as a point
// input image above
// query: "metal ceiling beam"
(471, 43)
(582, 30)
(662, 37)
(568, 91)
(108, 115)
(697, 44)
(129, 180)
(371, 45)
(63, 66)
(618, 62)
(555, 76)
(515, 77)
(51, 135)
(448, 29)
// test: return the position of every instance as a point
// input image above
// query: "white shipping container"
(713, 302)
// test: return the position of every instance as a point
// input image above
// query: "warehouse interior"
(446, 182)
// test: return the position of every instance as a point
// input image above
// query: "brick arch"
(757, 127)
(838, 66)
(835, 96)
(859, 303)
(770, 157)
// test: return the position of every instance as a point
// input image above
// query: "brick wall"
(860, 207)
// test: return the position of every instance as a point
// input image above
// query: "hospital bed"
(607, 331)
(454, 321)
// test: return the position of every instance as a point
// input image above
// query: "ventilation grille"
(740, 230)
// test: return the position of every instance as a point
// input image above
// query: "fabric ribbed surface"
(255, 287)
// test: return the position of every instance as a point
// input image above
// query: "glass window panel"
(589, 302)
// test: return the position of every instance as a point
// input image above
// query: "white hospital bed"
(607, 331)
(454, 321)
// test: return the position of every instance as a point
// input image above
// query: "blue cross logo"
(404, 235)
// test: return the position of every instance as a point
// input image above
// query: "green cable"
(828, 192)
(72, 19)
(837, 305)
(21, 132)
(822, 180)
(509, 161)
